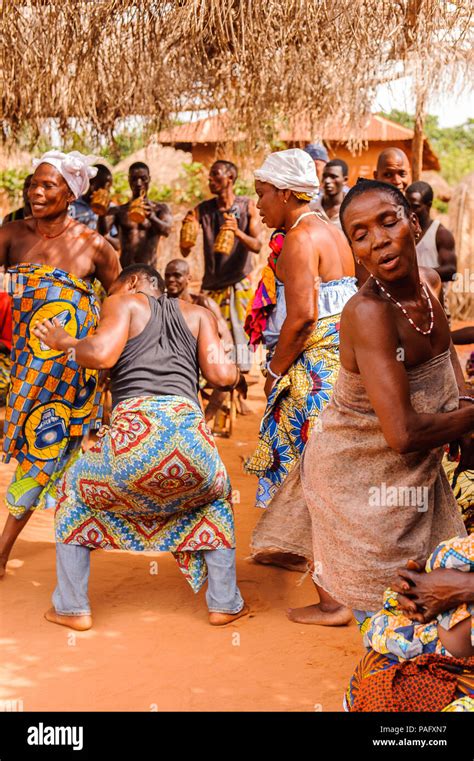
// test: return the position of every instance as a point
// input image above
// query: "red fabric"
(6, 319)
(426, 683)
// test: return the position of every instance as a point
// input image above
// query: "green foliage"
(192, 184)
(243, 187)
(441, 206)
(454, 146)
(161, 193)
(123, 144)
(121, 190)
(11, 180)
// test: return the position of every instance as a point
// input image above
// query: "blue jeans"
(70, 598)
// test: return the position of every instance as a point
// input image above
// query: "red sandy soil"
(151, 647)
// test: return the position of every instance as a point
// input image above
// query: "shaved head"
(390, 153)
(177, 277)
(180, 265)
(393, 167)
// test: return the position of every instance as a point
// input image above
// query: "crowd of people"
(365, 455)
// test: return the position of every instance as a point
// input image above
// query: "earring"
(286, 200)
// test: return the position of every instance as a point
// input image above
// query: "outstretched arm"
(100, 350)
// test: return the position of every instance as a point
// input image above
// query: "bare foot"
(80, 623)
(242, 408)
(315, 614)
(287, 560)
(221, 619)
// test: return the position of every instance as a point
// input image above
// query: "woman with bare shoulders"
(372, 476)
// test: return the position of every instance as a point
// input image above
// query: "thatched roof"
(263, 61)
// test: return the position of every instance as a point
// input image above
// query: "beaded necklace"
(427, 297)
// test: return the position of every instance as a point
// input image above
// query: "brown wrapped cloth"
(426, 683)
(358, 546)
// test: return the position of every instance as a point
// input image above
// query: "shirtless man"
(177, 277)
(54, 253)
(138, 241)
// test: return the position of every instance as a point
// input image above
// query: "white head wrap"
(76, 168)
(290, 170)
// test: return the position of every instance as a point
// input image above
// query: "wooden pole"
(418, 136)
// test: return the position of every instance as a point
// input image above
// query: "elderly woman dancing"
(372, 476)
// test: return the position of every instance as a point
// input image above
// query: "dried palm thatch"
(265, 61)
(461, 223)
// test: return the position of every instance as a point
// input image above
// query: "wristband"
(467, 399)
(274, 375)
(236, 382)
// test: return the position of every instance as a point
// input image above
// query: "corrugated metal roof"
(215, 129)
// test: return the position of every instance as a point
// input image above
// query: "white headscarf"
(76, 168)
(293, 169)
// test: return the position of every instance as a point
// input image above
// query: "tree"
(453, 145)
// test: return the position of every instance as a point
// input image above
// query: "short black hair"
(338, 162)
(145, 270)
(230, 167)
(364, 185)
(138, 165)
(425, 191)
(103, 172)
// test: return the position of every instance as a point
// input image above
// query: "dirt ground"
(151, 647)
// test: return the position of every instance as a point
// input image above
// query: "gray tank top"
(162, 360)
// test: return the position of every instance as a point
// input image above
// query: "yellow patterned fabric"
(461, 705)
(391, 632)
(295, 403)
(462, 485)
(52, 401)
(5, 372)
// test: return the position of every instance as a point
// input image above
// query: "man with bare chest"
(51, 260)
(138, 240)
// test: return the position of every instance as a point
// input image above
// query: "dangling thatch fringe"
(265, 61)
